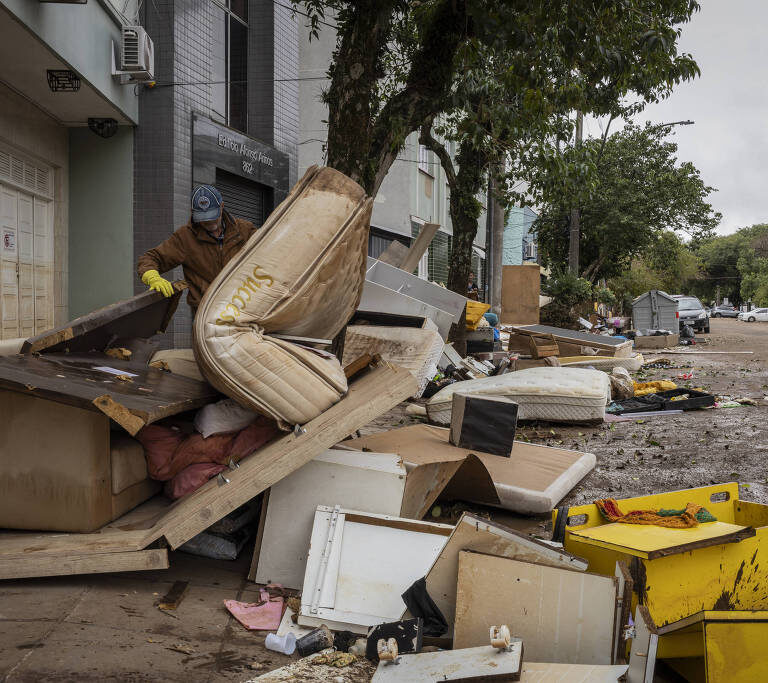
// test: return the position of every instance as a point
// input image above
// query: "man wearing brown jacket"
(202, 247)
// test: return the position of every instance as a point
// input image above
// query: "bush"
(570, 296)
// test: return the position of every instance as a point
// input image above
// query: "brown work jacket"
(200, 255)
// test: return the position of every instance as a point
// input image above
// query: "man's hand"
(153, 280)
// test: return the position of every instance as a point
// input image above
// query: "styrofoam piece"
(607, 363)
(483, 663)
(287, 625)
(370, 482)
(359, 565)
(549, 393)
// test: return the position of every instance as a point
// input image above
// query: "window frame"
(224, 5)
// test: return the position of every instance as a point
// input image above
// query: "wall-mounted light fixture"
(104, 127)
(63, 80)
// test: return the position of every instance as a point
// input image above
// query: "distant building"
(519, 240)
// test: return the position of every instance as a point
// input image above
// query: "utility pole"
(497, 246)
(575, 233)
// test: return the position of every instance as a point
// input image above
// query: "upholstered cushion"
(301, 274)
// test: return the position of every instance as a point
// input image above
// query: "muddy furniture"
(68, 461)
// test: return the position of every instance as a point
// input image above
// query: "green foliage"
(668, 265)
(603, 295)
(570, 298)
(640, 194)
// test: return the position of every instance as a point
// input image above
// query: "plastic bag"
(225, 416)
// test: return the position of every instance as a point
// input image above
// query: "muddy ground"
(107, 628)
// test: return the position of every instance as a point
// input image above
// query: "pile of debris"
(149, 455)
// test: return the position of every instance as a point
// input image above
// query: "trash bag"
(622, 386)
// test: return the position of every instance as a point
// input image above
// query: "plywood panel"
(482, 535)
(562, 615)
(520, 289)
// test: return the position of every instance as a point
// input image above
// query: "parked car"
(725, 312)
(756, 314)
(691, 312)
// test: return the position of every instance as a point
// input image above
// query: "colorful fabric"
(691, 516)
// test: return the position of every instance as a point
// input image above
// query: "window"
(424, 159)
(229, 62)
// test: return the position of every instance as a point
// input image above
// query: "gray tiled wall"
(181, 32)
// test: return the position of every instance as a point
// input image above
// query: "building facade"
(519, 239)
(224, 111)
(66, 193)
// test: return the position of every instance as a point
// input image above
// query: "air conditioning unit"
(137, 55)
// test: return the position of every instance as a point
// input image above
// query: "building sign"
(216, 146)
(9, 240)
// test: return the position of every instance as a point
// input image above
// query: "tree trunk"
(495, 258)
(575, 233)
(364, 138)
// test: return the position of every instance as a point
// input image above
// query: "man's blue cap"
(206, 203)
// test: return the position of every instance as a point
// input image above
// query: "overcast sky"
(729, 103)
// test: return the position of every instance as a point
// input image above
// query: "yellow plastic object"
(475, 310)
(154, 280)
(726, 572)
(643, 388)
(649, 541)
(716, 645)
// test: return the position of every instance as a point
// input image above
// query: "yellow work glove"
(153, 280)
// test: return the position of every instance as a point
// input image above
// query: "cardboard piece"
(359, 565)
(419, 246)
(520, 290)
(532, 481)
(483, 423)
(370, 482)
(482, 535)
(484, 663)
(666, 341)
(394, 254)
(562, 615)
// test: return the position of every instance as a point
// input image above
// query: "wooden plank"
(72, 378)
(16, 546)
(419, 246)
(482, 535)
(172, 599)
(373, 394)
(34, 565)
(394, 254)
(143, 316)
(596, 341)
(540, 672)
(562, 615)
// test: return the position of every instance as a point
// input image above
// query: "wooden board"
(96, 563)
(369, 482)
(373, 394)
(560, 334)
(484, 663)
(520, 289)
(482, 535)
(141, 316)
(562, 615)
(649, 541)
(72, 378)
(419, 246)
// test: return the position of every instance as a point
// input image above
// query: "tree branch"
(431, 143)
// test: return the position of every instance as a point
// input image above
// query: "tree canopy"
(639, 193)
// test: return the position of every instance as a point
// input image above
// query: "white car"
(759, 314)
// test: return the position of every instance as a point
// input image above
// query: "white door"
(26, 264)
(9, 263)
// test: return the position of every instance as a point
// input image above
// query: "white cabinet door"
(43, 259)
